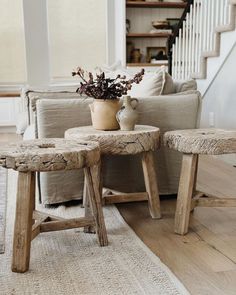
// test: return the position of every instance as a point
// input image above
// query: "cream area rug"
(71, 262)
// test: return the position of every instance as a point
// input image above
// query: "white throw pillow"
(151, 85)
(21, 122)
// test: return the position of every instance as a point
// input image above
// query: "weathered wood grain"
(3, 200)
(92, 175)
(49, 155)
(202, 141)
(23, 222)
(186, 186)
(151, 184)
(142, 139)
(125, 198)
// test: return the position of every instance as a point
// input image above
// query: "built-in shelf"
(9, 94)
(146, 64)
(148, 35)
(145, 4)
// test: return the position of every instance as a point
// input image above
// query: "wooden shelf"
(145, 65)
(9, 94)
(148, 35)
(144, 4)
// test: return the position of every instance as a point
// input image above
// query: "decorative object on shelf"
(173, 23)
(129, 49)
(106, 93)
(128, 25)
(160, 24)
(136, 55)
(128, 116)
(156, 54)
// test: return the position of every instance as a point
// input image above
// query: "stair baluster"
(197, 36)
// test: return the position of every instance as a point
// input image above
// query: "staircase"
(204, 39)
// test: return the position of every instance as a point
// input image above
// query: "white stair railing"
(199, 36)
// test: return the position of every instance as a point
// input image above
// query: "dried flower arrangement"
(100, 87)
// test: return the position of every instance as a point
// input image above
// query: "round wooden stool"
(143, 140)
(32, 156)
(193, 143)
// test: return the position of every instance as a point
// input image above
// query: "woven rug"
(71, 262)
(3, 195)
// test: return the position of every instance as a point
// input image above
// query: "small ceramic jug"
(127, 116)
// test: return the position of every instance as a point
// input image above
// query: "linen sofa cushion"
(182, 86)
(54, 117)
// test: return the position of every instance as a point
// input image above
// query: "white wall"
(77, 35)
(221, 96)
(220, 99)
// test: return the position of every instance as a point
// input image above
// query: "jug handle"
(135, 104)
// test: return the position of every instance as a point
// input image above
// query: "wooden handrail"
(172, 38)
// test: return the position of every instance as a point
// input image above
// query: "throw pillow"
(188, 85)
(151, 85)
(21, 122)
(169, 86)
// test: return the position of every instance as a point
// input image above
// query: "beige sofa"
(56, 112)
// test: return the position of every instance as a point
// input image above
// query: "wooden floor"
(205, 259)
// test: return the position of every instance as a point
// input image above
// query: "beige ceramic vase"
(128, 116)
(103, 113)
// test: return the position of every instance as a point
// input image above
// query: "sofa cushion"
(151, 85)
(53, 118)
(182, 86)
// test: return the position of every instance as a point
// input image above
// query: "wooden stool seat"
(143, 140)
(202, 141)
(29, 157)
(49, 154)
(193, 143)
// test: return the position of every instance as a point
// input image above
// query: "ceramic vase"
(103, 113)
(127, 116)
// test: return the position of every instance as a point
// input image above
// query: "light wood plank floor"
(205, 259)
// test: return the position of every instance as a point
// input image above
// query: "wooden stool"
(193, 143)
(32, 156)
(143, 140)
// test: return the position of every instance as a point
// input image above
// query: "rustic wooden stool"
(144, 140)
(32, 156)
(193, 143)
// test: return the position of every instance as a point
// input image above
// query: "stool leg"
(151, 184)
(195, 176)
(87, 208)
(23, 221)
(185, 193)
(92, 175)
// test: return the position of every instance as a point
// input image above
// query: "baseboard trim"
(7, 129)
